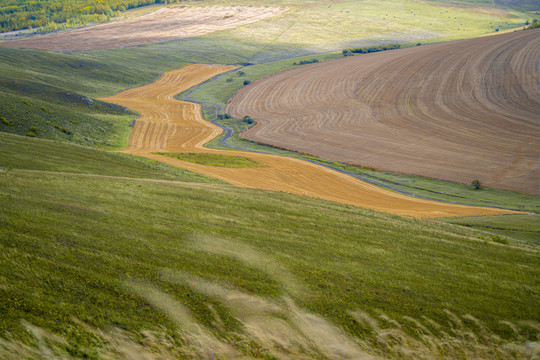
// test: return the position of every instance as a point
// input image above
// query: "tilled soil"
(458, 111)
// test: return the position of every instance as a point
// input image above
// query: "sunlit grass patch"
(228, 161)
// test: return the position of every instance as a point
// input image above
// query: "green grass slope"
(22, 153)
(89, 263)
(50, 95)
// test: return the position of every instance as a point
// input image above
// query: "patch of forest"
(57, 14)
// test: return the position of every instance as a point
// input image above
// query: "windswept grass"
(525, 228)
(244, 264)
(228, 161)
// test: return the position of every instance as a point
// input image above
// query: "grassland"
(103, 254)
(22, 153)
(525, 228)
(214, 159)
(51, 96)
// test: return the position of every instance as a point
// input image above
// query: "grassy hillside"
(103, 255)
(49, 95)
(22, 153)
(96, 260)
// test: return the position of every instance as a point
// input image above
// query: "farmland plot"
(169, 125)
(456, 111)
(165, 24)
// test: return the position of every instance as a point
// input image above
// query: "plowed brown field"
(458, 111)
(169, 23)
(170, 125)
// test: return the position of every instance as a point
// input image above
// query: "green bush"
(370, 49)
(6, 121)
(248, 120)
(477, 184)
(33, 129)
(535, 24)
(30, 134)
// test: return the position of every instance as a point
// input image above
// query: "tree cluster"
(55, 14)
(369, 49)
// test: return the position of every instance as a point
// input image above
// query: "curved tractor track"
(170, 125)
(458, 111)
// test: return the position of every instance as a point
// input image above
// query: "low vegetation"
(370, 49)
(97, 265)
(219, 160)
(19, 153)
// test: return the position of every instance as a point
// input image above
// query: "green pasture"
(219, 160)
(23, 153)
(84, 256)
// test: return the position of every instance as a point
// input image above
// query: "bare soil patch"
(169, 125)
(168, 23)
(458, 111)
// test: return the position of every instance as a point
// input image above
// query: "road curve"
(459, 111)
(166, 124)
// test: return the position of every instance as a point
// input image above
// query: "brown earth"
(170, 125)
(459, 111)
(169, 23)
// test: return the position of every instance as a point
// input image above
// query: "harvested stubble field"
(169, 125)
(457, 111)
(169, 23)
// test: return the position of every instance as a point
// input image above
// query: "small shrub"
(65, 131)
(477, 184)
(224, 116)
(500, 240)
(33, 129)
(241, 73)
(30, 134)
(26, 102)
(248, 120)
(229, 80)
(247, 82)
(56, 126)
(43, 108)
(74, 121)
(228, 16)
(6, 121)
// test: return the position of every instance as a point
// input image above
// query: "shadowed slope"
(457, 111)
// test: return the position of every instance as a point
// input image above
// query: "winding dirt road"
(459, 111)
(170, 125)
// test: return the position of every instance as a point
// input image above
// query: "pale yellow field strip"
(168, 23)
(166, 124)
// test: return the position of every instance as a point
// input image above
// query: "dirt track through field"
(169, 23)
(170, 125)
(458, 111)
